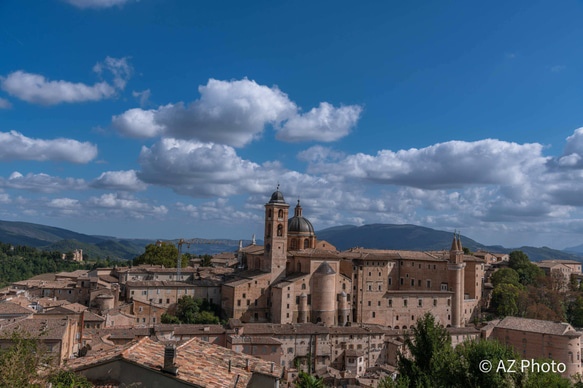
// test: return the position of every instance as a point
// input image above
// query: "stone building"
(533, 338)
(294, 278)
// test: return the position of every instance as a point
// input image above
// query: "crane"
(195, 241)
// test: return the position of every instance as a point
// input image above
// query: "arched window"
(293, 243)
(280, 230)
(344, 286)
(269, 214)
(303, 286)
(280, 213)
(306, 243)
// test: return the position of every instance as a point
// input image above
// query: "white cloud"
(119, 68)
(41, 183)
(118, 181)
(143, 97)
(218, 211)
(14, 145)
(235, 113)
(37, 89)
(125, 205)
(5, 104)
(319, 154)
(138, 123)
(97, 3)
(196, 169)
(324, 123)
(443, 165)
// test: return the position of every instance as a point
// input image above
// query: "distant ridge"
(420, 238)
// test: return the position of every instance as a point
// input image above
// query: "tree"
(20, 363)
(461, 368)
(466, 251)
(504, 299)
(206, 261)
(542, 379)
(165, 255)
(518, 259)
(191, 310)
(506, 276)
(424, 343)
(63, 378)
(528, 273)
(167, 318)
(308, 381)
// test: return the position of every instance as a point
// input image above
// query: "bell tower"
(456, 267)
(275, 256)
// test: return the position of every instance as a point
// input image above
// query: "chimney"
(170, 360)
(229, 366)
(247, 365)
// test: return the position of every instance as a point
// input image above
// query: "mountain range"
(379, 236)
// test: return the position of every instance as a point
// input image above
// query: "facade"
(532, 339)
(294, 278)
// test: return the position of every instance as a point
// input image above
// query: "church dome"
(277, 197)
(300, 224)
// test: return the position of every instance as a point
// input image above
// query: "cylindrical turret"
(303, 308)
(343, 309)
(324, 294)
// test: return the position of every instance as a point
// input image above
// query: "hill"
(419, 238)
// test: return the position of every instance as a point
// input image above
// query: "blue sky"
(167, 119)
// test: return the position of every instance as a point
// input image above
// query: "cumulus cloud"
(37, 89)
(14, 145)
(325, 124)
(118, 181)
(235, 113)
(5, 104)
(118, 204)
(443, 165)
(96, 4)
(218, 211)
(195, 168)
(41, 183)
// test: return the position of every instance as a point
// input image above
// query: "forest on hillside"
(20, 262)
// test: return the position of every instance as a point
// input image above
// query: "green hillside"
(102, 250)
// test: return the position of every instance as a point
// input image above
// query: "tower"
(275, 256)
(456, 267)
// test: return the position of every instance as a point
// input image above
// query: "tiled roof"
(190, 329)
(9, 308)
(242, 340)
(169, 283)
(535, 326)
(90, 317)
(353, 353)
(252, 249)
(75, 307)
(284, 329)
(314, 252)
(198, 362)
(53, 329)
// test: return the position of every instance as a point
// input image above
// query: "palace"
(296, 278)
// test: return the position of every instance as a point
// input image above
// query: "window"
(303, 286)
(402, 281)
(379, 303)
(248, 302)
(244, 296)
(168, 301)
(279, 230)
(443, 286)
(428, 284)
(373, 315)
(404, 302)
(238, 302)
(412, 282)
(280, 214)
(390, 303)
(390, 281)
(369, 303)
(306, 243)
(420, 302)
(434, 302)
(449, 302)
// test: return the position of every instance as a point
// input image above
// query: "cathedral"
(296, 278)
